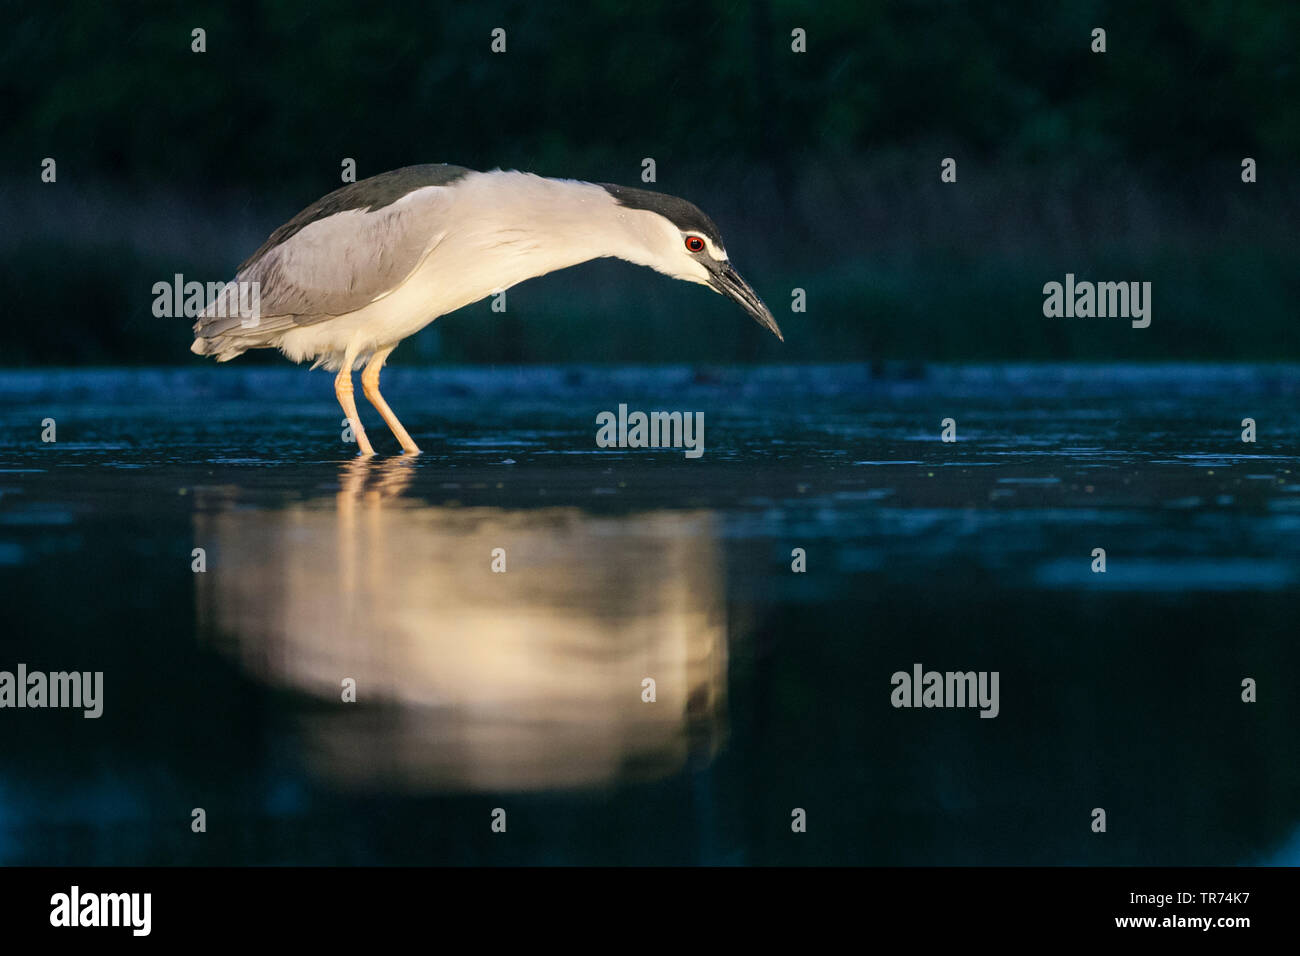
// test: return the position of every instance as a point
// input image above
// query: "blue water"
(523, 690)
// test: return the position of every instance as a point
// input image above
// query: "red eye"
(694, 244)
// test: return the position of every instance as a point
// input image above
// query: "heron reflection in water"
(466, 678)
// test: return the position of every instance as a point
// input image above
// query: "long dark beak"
(728, 281)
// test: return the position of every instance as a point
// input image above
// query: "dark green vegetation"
(822, 168)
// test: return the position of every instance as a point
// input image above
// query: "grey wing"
(329, 267)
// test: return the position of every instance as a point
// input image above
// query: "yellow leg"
(343, 391)
(370, 385)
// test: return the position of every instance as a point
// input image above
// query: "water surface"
(524, 690)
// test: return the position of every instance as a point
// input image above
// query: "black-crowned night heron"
(349, 277)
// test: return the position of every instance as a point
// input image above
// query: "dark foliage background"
(822, 168)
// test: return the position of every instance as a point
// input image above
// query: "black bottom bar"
(330, 904)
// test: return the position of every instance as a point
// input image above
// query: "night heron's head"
(681, 241)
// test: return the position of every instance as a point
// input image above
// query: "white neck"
(527, 226)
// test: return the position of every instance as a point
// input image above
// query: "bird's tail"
(223, 349)
(223, 345)
(226, 327)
